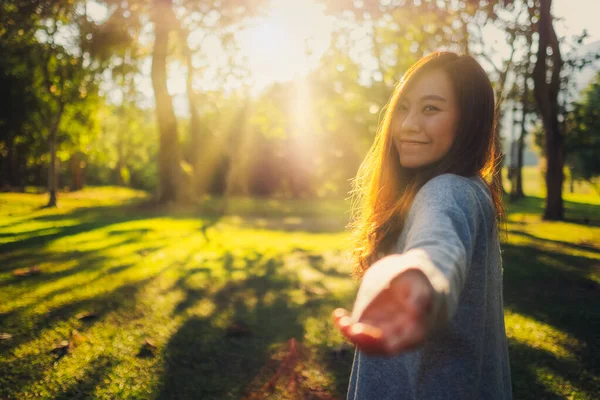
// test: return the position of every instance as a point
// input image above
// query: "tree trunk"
(168, 157)
(194, 130)
(464, 43)
(11, 177)
(52, 173)
(195, 152)
(517, 190)
(546, 95)
(76, 172)
(120, 162)
(572, 181)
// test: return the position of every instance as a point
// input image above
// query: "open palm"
(397, 318)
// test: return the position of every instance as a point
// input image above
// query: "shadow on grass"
(553, 288)
(274, 316)
(203, 361)
(577, 213)
(524, 364)
(568, 245)
(85, 387)
(29, 251)
(309, 223)
(88, 219)
(16, 377)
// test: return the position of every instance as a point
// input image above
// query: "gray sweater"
(452, 236)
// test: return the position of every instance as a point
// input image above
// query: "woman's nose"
(410, 123)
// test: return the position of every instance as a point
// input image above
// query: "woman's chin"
(410, 164)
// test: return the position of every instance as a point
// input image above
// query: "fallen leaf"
(86, 316)
(5, 336)
(148, 349)
(27, 271)
(61, 347)
(76, 338)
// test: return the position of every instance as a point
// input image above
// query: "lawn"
(109, 297)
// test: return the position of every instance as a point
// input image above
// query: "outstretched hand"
(395, 320)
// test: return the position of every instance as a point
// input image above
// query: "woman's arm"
(403, 297)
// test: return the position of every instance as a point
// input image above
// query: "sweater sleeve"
(443, 225)
(441, 229)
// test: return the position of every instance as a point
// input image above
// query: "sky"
(577, 15)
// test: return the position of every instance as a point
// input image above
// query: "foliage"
(303, 138)
(126, 146)
(53, 92)
(583, 133)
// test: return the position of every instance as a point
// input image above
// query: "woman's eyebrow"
(433, 97)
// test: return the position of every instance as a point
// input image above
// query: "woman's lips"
(411, 142)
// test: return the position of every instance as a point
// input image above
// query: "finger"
(343, 325)
(367, 338)
(361, 329)
(339, 313)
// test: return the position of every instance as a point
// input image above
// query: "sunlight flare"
(286, 42)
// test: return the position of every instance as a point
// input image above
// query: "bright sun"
(286, 42)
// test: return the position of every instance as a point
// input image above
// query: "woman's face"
(425, 122)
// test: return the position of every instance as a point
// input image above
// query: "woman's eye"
(402, 108)
(430, 108)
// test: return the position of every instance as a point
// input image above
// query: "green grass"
(180, 277)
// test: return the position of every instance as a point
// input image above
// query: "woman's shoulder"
(451, 190)
(454, 186)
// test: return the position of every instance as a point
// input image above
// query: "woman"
(428, 318)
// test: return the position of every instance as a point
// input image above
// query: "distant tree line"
(304, 138)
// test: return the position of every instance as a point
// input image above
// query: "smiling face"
(425, 123)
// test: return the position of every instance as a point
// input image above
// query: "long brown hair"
(383, 190)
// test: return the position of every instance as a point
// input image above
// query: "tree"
(53, 70)
(549, 63)
(169, 170)
(514, 29)
(523, 96)
(162, 14)
(67, 83)
(583, 135)
(204, 151)
(19, 105)
(410, 29)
